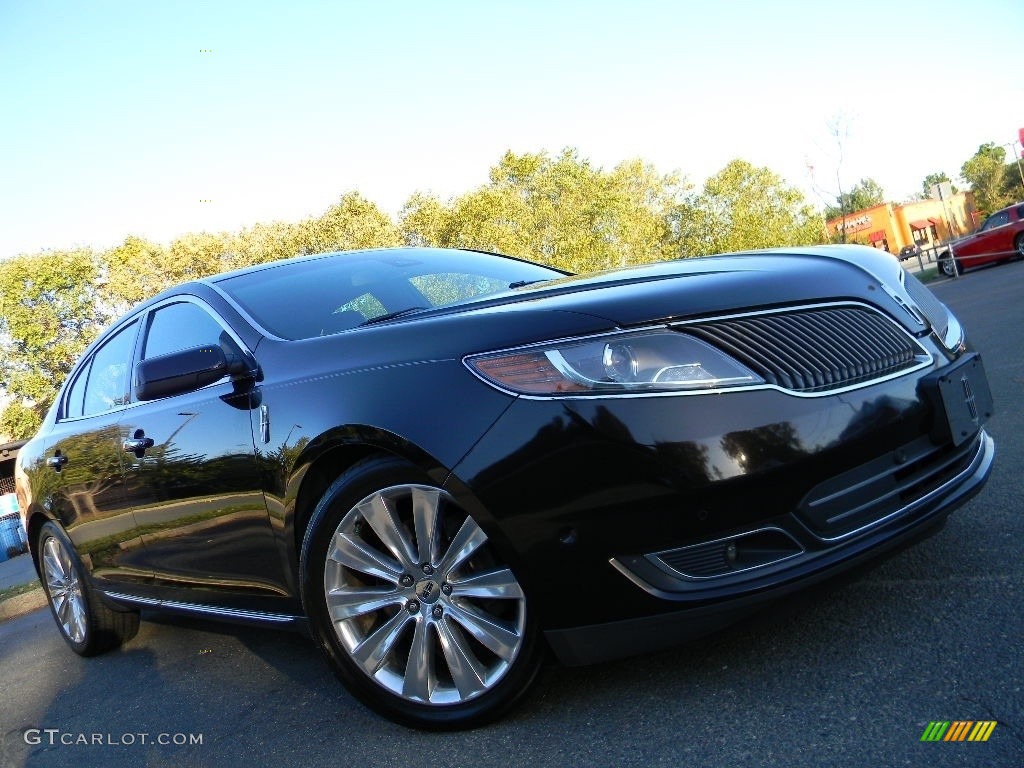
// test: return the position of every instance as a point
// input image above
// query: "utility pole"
(943, 191)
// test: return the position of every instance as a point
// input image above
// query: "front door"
(194, 482)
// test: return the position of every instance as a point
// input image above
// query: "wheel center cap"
(428, 590)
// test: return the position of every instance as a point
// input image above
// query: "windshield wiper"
(392, 315)
(522, 283)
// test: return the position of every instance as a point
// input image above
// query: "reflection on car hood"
(720, 284)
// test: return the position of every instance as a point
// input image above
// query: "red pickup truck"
(1000, 238)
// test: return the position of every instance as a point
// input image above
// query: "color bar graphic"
(958, 730)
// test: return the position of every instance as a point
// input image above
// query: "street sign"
(941, 191)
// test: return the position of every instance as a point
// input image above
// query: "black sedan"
(445, 463)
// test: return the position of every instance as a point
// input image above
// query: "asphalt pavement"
(847, 674)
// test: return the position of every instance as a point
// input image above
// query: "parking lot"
(847, 674)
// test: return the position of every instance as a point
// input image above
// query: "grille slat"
(814, 349)
(841, 346)
(835, 367)
(874, 491)
(798, 351)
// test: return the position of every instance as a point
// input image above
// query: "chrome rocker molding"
(197, 609)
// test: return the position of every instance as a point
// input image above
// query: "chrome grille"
(6, 485)
(814, 349)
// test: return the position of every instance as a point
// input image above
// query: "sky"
(158, 118)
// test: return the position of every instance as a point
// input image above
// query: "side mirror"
(179, 372)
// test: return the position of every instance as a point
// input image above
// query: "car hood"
(635, 297)
(688, 288)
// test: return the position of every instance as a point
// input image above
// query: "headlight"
(649, 361)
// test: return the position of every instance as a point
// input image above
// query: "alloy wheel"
(65, 589)
(419, 601)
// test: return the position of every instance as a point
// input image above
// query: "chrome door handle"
(137, 444)
(57, 461)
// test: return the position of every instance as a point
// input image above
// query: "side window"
(997, 220)
(107, 385)
(76, 395)
(180, 326)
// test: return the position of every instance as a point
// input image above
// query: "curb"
(13, 607)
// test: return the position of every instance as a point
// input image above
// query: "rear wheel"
(1018, 245)
(87, 624)
(420, 618)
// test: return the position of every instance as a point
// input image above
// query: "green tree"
(1012, 189)
(353, 222)
(138, 269)
(560, 210)
(985, 172)
(265, 242)
(426, 221)
(196, 255)
(47, 317)
(866, 193)
(134, 272)
(744, 207)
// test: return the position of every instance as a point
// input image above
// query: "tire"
(86, 623)
(1018, 244)
(946, 265)
(419, 618)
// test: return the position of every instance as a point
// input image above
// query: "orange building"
(924, 222)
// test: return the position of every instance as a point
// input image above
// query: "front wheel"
(946, 265)
(420, 618)
(87, 625)
(1018, 245)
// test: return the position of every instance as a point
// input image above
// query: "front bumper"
(592, 643)
(615, 513)
(600, 642)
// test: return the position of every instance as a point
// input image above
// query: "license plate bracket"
(962, 398)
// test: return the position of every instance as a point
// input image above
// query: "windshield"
(303, 298)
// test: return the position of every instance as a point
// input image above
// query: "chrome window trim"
(85, 362)
(244, 313)
(143, 317)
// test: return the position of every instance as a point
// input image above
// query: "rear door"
(83, 468)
